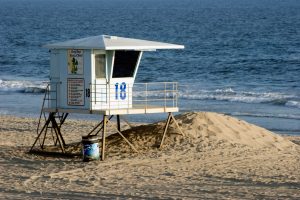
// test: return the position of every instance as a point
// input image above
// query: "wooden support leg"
(124, 138)
(57, 129)
(165, 130)
(118, 123)
(58, 138)
(101, 123)
(90, 133)
(54, 138)
(103, 137)
(40, 133)
(61, 122)
(42, 145)
(174, 120)
(95, 128)
(63, 119)
(127, 122)
(170, 117)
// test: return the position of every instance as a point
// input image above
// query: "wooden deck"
(136, 109)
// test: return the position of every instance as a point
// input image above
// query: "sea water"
(241, 57)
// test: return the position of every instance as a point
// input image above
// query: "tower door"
(100, 85)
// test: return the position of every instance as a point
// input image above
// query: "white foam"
(25, 86)
(266, 115)
(293, 104)
(228, 94)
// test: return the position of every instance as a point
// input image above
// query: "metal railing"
(118, 96)
(51, 95)
(137, 95)
(164, 94)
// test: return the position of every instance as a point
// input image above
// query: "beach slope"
(218, 157)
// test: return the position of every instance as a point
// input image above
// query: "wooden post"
(42, 145)
(118, 123)
(57, 128)
(103, 138)
(58, 139)
(40, 133)
(165, 130)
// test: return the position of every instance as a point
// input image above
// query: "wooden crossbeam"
(117, 128)
(99, 124)
(119, 132)
(175, 122)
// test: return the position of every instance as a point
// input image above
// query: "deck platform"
(136, 109)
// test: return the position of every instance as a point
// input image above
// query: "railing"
(118, 96)
(51, 95)
(159, 93)
(137, 95)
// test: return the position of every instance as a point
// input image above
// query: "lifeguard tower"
(96, 75)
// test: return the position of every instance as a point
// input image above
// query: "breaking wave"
(293, 104)
(231, 95)
(22, 86)
(266, 115)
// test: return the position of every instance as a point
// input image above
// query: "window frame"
(139, 55)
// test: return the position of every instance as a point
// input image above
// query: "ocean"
(241, 57)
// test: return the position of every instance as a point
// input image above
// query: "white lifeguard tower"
(96, 75)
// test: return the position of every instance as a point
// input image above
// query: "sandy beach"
(218, 157)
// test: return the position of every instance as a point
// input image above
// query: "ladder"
(51, 123)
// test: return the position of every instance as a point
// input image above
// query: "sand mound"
(213, 127)
(205, 129)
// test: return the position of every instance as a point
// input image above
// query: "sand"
(218, 157)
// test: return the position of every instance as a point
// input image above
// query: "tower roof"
(106, 42)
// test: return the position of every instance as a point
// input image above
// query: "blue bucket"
(90, 148)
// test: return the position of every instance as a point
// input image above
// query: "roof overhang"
(106, 42)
